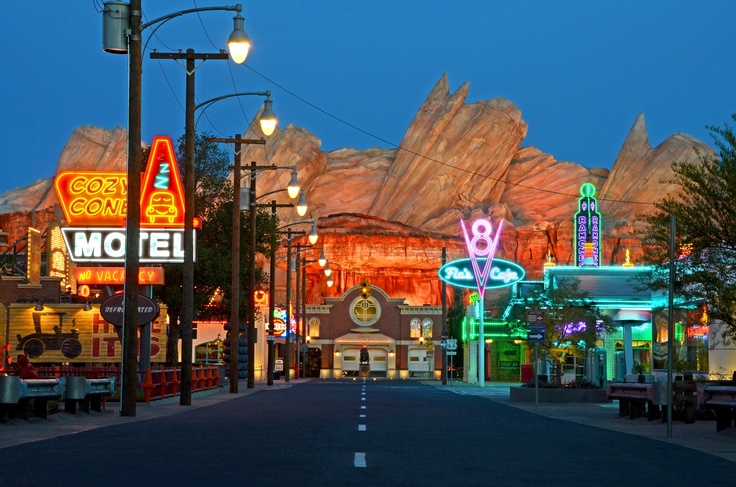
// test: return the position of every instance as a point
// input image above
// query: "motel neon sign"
(94, 205)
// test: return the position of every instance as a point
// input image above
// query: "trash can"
(527, 373)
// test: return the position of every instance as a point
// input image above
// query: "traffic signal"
(365, 291)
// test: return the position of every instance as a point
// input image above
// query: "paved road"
(372, 433)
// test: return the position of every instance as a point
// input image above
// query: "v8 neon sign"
(482, 246)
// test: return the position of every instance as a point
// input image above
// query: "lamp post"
(293, 190)
(272, 289)
(122, 29)
(268, 125)
(301, 289)
(290, 235)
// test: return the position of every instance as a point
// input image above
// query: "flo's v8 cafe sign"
(94, 205)
(502, 273)
(482, 270)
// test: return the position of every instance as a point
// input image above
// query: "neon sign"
(94, 205)
(501, 273)
(116, 275)
(587, 229)
(162, 197)
(482, 247)
(108, 244)
(94, 198)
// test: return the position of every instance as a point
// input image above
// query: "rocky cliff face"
(386, 213)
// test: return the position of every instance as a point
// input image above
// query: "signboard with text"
(95, 207)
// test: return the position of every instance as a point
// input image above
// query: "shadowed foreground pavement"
(414, 434)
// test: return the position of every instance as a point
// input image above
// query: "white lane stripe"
(361, 427)
(362, 407)
(362, 399)
(362, 415)
(359, 460)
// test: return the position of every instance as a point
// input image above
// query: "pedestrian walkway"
(19, 431)
(700, 435)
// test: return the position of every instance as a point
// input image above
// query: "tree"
(572, 322)
(705, 232)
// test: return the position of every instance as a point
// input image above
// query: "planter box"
(526, 394)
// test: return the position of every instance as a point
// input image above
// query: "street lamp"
(313, 236)
(292, 189)
(272, 287)
(122, 29)
(301, 295)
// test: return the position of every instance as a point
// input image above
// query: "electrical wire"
(398, 147)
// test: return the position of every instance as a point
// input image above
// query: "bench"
(636, 399)
(15, 394)
(721, 398)
(684, 397)
(87, 392)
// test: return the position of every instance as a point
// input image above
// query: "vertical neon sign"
(482, 246)
(587, 229)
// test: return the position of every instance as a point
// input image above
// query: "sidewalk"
(19, 431)
(701, 435)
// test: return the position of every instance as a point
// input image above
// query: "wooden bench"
(637, 399)
(16, 393)
(722, 399)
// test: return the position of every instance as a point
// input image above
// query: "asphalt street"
(372, 433)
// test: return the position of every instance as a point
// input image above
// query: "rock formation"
(386, 213)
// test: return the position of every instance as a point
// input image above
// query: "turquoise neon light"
(501, 273)
(162, 178)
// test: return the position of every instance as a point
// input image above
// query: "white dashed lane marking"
(359, 460)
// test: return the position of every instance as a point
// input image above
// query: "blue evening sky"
(355, 72)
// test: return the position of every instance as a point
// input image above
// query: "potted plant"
(641, 369)
(680, 366)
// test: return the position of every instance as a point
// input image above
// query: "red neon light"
(116, 275)
(99, 198)
(92, 198)
(162, 196)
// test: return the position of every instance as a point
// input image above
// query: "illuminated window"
(313, 328)
(365, 311)
(415, 327)
(427, 328)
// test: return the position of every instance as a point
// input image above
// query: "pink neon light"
(482, 233)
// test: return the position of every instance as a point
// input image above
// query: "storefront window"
(696, 339)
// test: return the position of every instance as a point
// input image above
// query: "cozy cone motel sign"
(483, 271)
(94, 204)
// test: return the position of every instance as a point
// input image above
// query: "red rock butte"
(385, 214)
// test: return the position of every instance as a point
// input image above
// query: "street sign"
(452, 344)
(535, 316)
(536, 336)
(453, 352)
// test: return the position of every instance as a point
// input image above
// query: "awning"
(633, 315)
